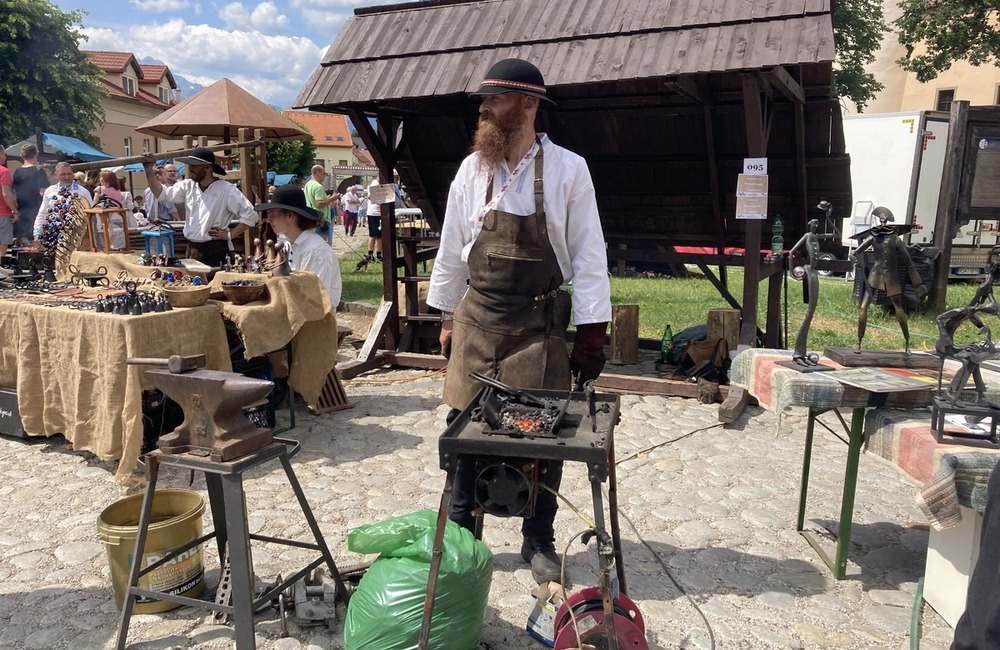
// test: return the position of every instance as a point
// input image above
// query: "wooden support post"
(724, 324)
(733, 404)
(624, 334)
(946, 221)
(753, 113)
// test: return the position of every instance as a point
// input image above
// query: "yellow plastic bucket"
(175, 521)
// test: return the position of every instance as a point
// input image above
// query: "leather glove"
(587, 358)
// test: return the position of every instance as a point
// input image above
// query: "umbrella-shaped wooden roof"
(218, 112)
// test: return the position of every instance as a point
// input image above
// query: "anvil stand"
(224, 481)
(597, 449)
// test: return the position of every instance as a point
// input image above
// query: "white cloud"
(329, 15)
(264, 18)
(159, 6)
(272, 68)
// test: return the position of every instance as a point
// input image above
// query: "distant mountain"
(187, 88)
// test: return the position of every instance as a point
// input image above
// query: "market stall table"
(778, 388)
(953, 480)
(69, 369)
(114, 264)
(298, 311)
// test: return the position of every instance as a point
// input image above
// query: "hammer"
(175, 363)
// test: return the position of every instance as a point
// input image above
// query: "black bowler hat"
(290, 197)
(202, 157)
(513, 76)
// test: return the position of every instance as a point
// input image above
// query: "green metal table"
(778, 388)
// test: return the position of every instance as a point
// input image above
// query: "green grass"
(684, 302)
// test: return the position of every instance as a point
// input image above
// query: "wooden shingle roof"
(656, 95)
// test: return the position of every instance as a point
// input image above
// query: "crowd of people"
(206, 204)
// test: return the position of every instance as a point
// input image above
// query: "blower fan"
(505, 487)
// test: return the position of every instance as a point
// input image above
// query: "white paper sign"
(751, 207)
(381, 193)
(755, 166)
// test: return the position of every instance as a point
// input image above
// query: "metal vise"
(213, 402)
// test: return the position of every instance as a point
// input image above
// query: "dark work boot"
(541, 554)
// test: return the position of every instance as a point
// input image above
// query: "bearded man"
(210, 203)
(521, 222)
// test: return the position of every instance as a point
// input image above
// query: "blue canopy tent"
(64, 145)
(137, 167)
(276, 179)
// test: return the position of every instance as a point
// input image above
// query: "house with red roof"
(137, 92)
(335, 149)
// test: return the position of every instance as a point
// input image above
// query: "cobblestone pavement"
(717, 508)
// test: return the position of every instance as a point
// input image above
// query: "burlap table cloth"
(299, 311)
(114, 263)
(71, 377)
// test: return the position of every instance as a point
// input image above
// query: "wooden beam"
(187, 151)
(635, 385)
(945, 221)
(753, 115)
(352, 369)
(785, 84)
(414, 360)
(388, 126)
(377, 331)
(733, 404)
(689, 88)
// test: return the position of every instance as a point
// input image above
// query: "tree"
(936, 34)
(859, 26)
(45, 80)
(291, 157)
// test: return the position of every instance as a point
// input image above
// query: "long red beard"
(494, 136)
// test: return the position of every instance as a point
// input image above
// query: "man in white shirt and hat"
(210, 203)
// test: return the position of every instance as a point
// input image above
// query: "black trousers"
(979, 627)
(212, 253)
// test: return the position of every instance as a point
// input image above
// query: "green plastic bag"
(386, 610)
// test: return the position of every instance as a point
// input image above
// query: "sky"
(269, 48)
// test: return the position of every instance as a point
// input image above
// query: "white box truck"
(897, 160)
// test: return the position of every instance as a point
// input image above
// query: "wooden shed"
(664, 99)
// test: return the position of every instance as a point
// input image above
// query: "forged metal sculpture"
(888, 250)
(810, 293)
(971, 355)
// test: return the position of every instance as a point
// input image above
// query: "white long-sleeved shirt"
(158, 209)
(50, 198)
(574, 229)
(215, 206)
(310, 252)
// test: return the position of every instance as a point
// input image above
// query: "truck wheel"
(826, 256)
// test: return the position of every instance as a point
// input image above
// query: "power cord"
(642, 452)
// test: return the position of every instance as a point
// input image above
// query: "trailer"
(897, 161)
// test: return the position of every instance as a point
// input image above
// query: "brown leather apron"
(512, 322)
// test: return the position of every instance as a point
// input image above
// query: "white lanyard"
(507, 183)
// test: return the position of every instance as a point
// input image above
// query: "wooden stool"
(104, 214)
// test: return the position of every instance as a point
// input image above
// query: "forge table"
(586, 437)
